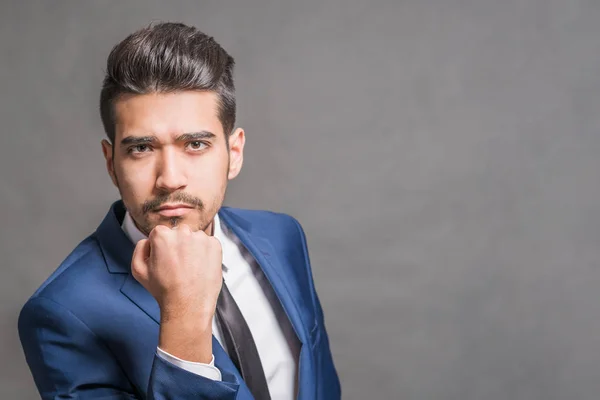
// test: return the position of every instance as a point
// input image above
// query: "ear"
(107, 150)
(237, 140)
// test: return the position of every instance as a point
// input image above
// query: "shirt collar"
(132, 231)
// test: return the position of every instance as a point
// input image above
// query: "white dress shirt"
(243, 275)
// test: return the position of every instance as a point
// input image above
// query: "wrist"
(173, 310)
(197, 318)
(188, 338)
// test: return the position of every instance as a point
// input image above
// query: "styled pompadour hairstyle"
(164, 58)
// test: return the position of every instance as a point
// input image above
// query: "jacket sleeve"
(68, 361)
(328, 382)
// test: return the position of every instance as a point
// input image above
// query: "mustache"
(178, 197)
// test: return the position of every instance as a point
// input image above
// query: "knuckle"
(185, 229)
(200, 236)
(158, 231)
(137, 270)
(201, 233)
(139, 246)
(153, 233)
(161, 229)
(216, 244)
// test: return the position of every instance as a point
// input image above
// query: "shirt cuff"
(206, 370)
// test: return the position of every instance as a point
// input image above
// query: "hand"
(182, 270)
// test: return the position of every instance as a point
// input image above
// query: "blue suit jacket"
(91, 330)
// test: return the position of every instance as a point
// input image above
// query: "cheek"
(209, 173)
(135, 184)
(207, 182)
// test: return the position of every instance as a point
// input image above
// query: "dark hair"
(168, 57)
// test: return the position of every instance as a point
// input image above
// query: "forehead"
(167, 114)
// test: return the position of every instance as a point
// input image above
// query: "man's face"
(171, 161)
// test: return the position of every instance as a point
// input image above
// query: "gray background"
(441, 155)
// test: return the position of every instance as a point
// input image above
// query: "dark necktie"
(240, 344)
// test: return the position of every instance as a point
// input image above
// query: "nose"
(171, 175)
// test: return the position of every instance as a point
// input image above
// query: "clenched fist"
(182, 271)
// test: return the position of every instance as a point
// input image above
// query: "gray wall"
(441, 155)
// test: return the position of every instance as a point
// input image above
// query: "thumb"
(139, 261)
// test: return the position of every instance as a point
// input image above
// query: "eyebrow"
(136, 140)
(195, 136)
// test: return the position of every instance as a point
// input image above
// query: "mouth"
(173, 210)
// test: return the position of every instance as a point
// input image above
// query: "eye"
(196, 145)
(139, 148)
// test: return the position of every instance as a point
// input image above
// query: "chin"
(195, 223)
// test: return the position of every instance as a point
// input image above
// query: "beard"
(175, 197)
(200, 218)
(197, 219)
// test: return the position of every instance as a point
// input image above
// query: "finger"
(217, 243)
(183, 228)
(139, 260)
(217, 247)
(159, 230)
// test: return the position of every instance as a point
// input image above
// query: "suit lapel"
(261, 249)
(266, 257)
(138, 294)
(118, 251)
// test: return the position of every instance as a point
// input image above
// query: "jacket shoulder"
(270, 219)
(67, 283)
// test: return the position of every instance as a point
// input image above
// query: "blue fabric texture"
(91, 330)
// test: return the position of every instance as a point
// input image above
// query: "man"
(175, 296)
